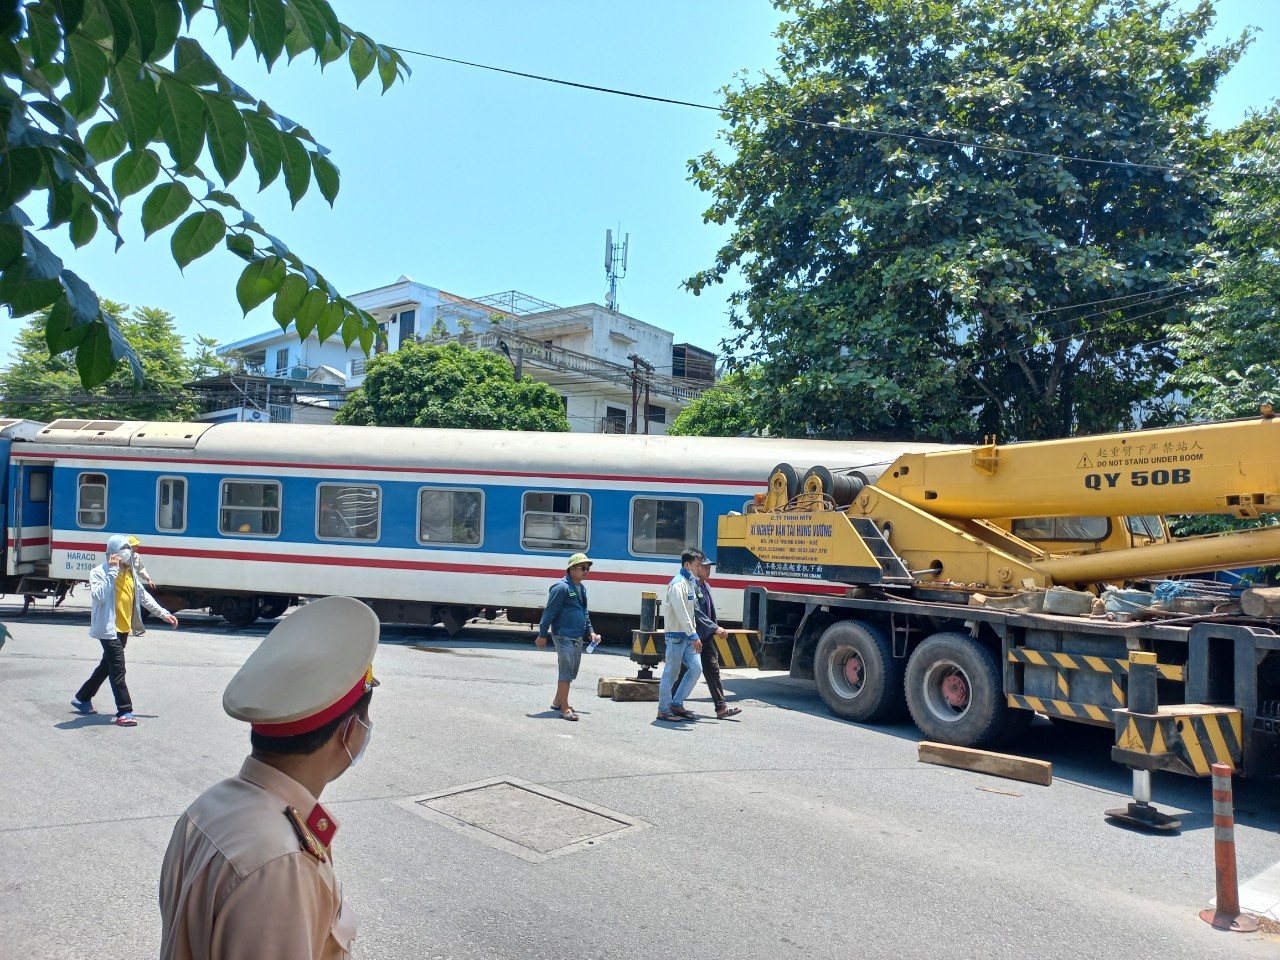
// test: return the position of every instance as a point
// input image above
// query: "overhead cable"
(838, 125)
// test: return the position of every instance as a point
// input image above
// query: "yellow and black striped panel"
(1071, 661)
(645, 643)
(735, 649)
(1199, 739)
(1062, 708)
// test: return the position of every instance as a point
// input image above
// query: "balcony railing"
(549, 357)
(561, 359)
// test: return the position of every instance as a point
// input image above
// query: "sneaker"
(86, 707)
(125, 720)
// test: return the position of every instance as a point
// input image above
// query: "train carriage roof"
(737, 458)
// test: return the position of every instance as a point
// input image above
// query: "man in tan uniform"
(248, 872)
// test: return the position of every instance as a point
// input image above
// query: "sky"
(479, 183)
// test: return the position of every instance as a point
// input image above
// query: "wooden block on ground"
(984, 761)
(605, 685)
(631, 691)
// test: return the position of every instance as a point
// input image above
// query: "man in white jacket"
(683, 645)
(118, 598)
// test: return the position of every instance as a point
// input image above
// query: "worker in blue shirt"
(567, 622)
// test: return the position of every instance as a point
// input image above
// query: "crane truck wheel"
(955, 691)
(857, 674)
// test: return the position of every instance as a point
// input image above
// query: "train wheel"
(237, 611)
(857, 675)
(269, 608)
(955, 692)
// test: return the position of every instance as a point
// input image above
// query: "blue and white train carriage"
(426, 525)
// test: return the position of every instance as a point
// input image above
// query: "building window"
(171, 504)
(282, 360)
(348, 512)
(1082, 529)
(250, 508)
(408, 324)
(615, 420)
(657, 414)
(454, 517)
(556, 521)
(91, 500)
(664, 528)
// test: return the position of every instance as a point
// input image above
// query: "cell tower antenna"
(615, 265)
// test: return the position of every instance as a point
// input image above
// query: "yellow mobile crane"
(943, 613)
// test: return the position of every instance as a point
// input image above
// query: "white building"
(614, 373)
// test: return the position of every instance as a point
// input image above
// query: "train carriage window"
(1083, 529)
(348, 512)
(38, 486)
(555, 521)
(663, 528)
(171, 504)
(250, 508)
(454, 517)
(91, 500)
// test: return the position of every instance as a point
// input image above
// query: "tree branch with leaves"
(158, 104)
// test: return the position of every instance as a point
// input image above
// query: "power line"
(842, 126)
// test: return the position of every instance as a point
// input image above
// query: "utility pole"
(637, 362)
(635, 389)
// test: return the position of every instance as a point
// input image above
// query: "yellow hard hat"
(578, 558)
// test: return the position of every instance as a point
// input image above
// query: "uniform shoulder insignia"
(309, 841)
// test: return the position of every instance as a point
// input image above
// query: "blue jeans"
(679, 653)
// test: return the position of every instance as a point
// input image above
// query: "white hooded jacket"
(102, 589)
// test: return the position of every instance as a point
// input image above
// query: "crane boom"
(1231, 467)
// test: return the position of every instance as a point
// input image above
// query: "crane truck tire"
(858, 676)
(955, 692)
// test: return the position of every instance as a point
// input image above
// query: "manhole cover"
(521, 818)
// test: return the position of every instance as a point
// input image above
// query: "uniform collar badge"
(310, 843)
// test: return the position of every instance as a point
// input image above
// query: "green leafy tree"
(39, 386)
(727, 409)
(922, 255)
(206, 362)
(1229, 346)
(132, 66)
(422, 385)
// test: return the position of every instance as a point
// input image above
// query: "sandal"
(671, 717)
(125, 720)
(683, 713)
(568, 713)
(728, 712)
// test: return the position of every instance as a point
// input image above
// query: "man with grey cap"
(248, 872)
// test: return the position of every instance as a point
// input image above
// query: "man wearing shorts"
(568, 624)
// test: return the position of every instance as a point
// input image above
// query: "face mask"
(126, 556)
(368, 735)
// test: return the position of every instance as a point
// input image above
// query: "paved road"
(786, 834)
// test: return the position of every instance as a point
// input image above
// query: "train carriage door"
(30, 526)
